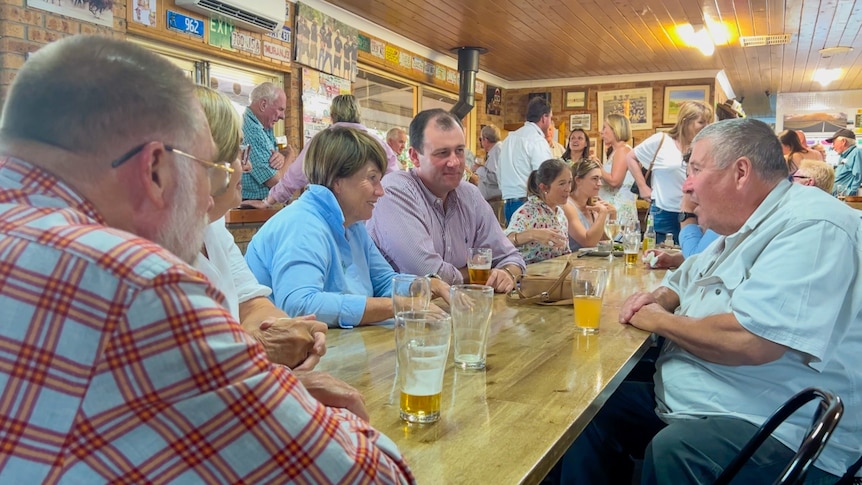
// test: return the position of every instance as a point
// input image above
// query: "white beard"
(183, 232)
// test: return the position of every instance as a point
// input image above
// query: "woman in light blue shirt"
(315, 254)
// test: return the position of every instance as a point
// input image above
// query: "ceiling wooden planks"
(534, 40)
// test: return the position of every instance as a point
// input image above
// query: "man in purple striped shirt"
(430, 216)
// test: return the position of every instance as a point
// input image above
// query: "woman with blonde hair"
(664, 152)
(586, 213)
(286, 340)
(538, 228)
(617, 181)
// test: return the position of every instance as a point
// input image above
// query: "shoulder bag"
(648, 171)
(543, 289)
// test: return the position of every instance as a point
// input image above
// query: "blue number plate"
(184, 23)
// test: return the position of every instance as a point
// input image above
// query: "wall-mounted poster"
(96, 11)
(819, 122)
(636, 104)
(318, 89)
(325, 44)
(144, 12)
(493, 100)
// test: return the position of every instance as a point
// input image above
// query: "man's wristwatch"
(687, 215)
(434, 276)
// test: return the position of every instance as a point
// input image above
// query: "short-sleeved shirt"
(262, 143)
(121, 365)
(488, 177)
(535, 214)
(791, 275)
(668, 172)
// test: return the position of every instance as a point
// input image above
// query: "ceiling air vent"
(257, 15)
(761, 40)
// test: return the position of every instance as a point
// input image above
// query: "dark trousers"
(685, 452)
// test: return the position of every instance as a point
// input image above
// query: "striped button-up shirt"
(119, 364)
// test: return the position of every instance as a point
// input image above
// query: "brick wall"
(24, 30)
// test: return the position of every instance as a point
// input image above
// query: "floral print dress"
(535, 214)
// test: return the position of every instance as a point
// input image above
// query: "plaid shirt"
(262, 143)
(118, 364)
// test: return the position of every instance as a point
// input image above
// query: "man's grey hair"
(732, 139)
(490, 133)
(393, 132)
(267, 91)
(95, 95)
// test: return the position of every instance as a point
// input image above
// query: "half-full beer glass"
(471, 316)
(422, 346)
(588, 287)
(479, 265)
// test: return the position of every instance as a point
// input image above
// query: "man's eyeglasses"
(218, 172)
(795, 176)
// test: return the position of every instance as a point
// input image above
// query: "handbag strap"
(649, 170)
(541, 298)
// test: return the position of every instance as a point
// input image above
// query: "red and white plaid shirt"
(118, 364)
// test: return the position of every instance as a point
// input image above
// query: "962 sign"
(185, 24)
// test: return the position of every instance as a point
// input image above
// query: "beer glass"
(588, 287)
(471, 316)
(631, 248)
(422, 346)
(410, 293)
(479, 265)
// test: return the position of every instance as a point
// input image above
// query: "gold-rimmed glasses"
(218, 172)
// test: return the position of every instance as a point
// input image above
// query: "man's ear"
(743, 171)
(414, 156)
(154, 172)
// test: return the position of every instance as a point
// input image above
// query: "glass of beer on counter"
(479, 265)
(471, 316)
(631, 248)
(588, 287)
(422, 346)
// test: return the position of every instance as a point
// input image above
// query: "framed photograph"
(636, 104)
(674, 96)
(581, 121)
(574, 98)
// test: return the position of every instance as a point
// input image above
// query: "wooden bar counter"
(510, 423)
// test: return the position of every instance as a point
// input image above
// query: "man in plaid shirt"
(268, 103)
(118, 361)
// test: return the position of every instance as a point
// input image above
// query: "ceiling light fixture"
(834, 51)
(826, 76)
(696, 36)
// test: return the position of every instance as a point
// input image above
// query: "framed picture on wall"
(574, 98)
(581, 121)
(636, 104)
(674, 96)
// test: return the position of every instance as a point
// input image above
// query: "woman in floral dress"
(539, 228)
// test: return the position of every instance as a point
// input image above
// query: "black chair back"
(829, 412)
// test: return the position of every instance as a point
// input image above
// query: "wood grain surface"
(510, 423)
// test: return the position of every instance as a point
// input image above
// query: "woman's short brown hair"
(339, 152)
